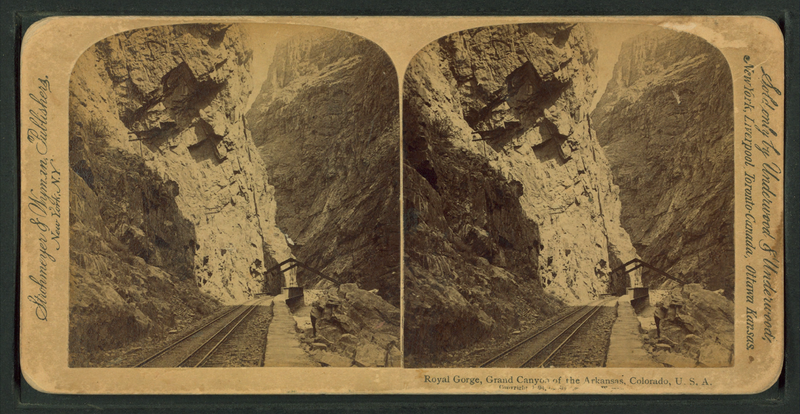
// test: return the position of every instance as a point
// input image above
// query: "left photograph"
(234, 197)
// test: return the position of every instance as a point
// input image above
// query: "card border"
(781, 395)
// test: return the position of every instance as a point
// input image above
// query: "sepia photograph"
(233, 199)
(568, 199)
(450, 205)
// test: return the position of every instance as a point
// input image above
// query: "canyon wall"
(326, 123)
(510, 209)
(666, 125)
(171, 211)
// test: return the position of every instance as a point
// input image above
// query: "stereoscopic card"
(449, 205)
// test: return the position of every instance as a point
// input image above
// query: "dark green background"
(17, 396)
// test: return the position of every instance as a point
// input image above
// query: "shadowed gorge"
(326, 124)
(666, 126)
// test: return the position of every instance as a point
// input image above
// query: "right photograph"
(568, 199)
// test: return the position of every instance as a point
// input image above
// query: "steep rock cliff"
(170, 209)
(509, 202)
(666, 125)
(326, 123)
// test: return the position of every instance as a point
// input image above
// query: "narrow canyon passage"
(189, 182)
(326, 123)
(521, 197)
(666, 125)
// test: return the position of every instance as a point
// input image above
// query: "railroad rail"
(539, 348)
(195, 348)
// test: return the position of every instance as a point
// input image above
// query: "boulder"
(675, 360)
(357, 321)
(370, 355)
(330, 359)
(328, 335)
(347, 344)
(691, 345)
(394, 358)
(698, 324)
(303, 324)
(714, 355)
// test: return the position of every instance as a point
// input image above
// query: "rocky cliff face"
(509, 202)
(326, 123)
(170, 208)
(666, 125)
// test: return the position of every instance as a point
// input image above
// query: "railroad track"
(195, 348)
(538, 349)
